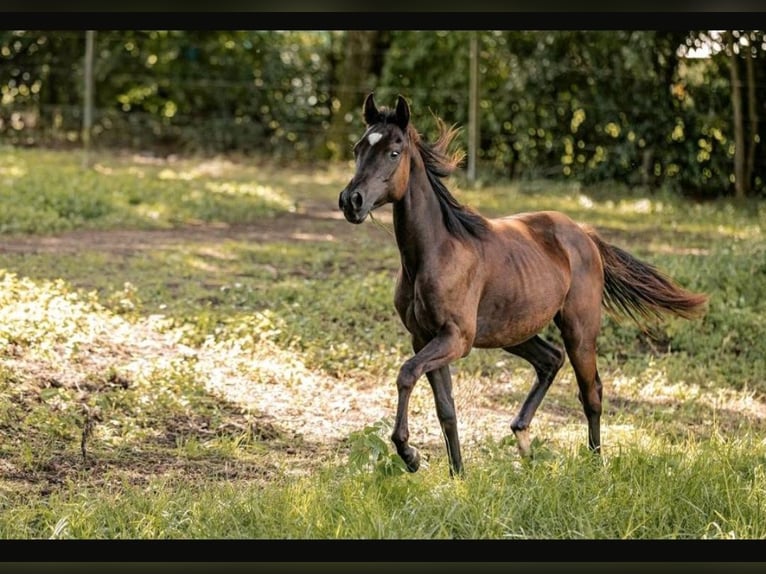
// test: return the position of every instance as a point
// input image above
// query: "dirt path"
(306, 225)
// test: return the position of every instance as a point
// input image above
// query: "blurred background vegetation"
(679, 110)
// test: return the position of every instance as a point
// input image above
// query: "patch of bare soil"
(284, 227)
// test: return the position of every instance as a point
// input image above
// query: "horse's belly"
(509, 321)
(514, 330)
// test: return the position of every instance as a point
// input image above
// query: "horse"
(467, 281)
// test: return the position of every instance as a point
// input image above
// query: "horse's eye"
(394, 154)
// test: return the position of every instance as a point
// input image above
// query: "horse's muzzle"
(352, 205)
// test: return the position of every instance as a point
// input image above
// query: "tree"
(357, 73)
(740, 176)
(734, 89)
(631, 106)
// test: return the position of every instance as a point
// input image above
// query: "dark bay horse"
(467, 281)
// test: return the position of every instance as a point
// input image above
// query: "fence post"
(87, 115)
(473, 107)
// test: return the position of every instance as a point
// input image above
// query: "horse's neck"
(418, 222)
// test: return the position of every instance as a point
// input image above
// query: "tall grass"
(696, 490)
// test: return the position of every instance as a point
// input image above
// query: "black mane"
(460, 220)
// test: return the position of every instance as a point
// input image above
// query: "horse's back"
(562, 238)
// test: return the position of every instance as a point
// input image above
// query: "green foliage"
(588, 106)
(176, 91)
(370, 448)
(580, 105)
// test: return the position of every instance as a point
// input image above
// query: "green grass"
(50, 192)
(657, 491)
(152, 313)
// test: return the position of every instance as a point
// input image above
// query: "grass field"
(204, 348)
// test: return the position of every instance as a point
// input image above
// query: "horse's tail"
(640, 291)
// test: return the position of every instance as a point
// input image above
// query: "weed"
(370, 450)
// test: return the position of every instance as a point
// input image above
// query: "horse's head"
(382, 161)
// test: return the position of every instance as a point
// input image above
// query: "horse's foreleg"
(439, 352)
(546, 359)
(441, 384)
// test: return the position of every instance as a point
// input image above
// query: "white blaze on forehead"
(374, 138)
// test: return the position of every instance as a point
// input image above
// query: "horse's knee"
(445, 411)
(448, 423)
(592, 401)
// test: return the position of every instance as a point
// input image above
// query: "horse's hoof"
(523, 442)
(456, 472)
(412, 459)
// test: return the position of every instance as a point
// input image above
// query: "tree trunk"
(647, 167)
(665, 60)
(356, 78)
(740, 182)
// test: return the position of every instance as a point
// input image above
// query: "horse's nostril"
(356, 200)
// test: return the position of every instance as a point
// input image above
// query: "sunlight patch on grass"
(734, 228)
(585, 201)
(216, 167)
(56, 335)
(11, 167)
(47, 318)
(12, 171)
(213, 260)
(155, 212)
(185, 170)
(642, 205)
(264, 192)
(59, 338)
(741, 231)
(666, 248)
(333, 175)
(657, 388)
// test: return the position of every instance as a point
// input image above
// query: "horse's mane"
(460, 220)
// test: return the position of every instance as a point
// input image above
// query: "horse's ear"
(371, 113)
(402, 113)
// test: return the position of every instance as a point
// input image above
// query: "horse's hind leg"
(546, 360)
(580, 341)
(441, 384)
